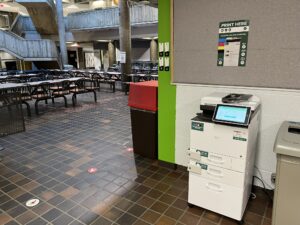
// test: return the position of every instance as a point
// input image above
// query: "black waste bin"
(144, 122)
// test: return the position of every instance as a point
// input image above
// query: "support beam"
(125, 38)
(61, 32)
(111, 53)
(153, 51)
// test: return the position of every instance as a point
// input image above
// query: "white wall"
(137, 54)
(277, 106)
(6, 57)
(97, 60)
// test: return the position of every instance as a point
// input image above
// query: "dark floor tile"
(189, 219)
(56, 200)
(140, 222)
(211, 216)
(154, 194)
(204, 221)
(66, 205)
(146, 201)
(124, 204)
(37, 221)
(142, 189)
(159, 207)
(174, 213)
(101, 221)
(12, 223)
(168, 199)
(164, 220)
(252, 218)
(150, 216)
(25, 197)
(77, 211)
(113, 214)
(9, 188)
(62, 219)
(9, 205)
(52, 214)
(228, 221)
(267, 221)
(126, 219)
(16, 211)
(76, 222)
(4, 199)
(88, 217)
(180, 204)
(26, 217)
(137, 210)
(42, 208)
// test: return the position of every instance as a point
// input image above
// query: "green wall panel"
(166, 91)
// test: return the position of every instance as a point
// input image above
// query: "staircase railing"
(27, 49)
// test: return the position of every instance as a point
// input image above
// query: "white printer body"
(223, 143)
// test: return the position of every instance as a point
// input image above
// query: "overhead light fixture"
(75, 45)
(149, 38)
(103, 40)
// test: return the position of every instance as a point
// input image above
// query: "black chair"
(39, 93)
(60, 90)
(12, 79)
(82, 86)
(25, 95)
(34, 79)
(107, 79)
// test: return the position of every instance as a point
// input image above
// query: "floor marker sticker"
(32, 202)
(92, 170)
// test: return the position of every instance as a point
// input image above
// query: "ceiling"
(71, 6)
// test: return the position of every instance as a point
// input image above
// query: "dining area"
(52, 85)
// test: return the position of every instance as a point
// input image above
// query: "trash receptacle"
(143, 109)
(287, 198)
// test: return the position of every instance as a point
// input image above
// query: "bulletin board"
(272, 49)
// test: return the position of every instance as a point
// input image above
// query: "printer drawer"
(220, 198)
(223, 161)
(218, 174)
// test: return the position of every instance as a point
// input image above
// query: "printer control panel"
(231, 114)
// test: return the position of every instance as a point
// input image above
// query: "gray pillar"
(125, 38)
(111, 53)
(61, 32)
(153, 51)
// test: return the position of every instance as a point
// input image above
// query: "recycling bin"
(143, 104)
(287, 199)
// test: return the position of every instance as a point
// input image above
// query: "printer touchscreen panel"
(232, 114)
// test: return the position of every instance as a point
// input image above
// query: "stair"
(28, 50)
(43, 15)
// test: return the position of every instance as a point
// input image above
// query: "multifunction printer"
(223, 141)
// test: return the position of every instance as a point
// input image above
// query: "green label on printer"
(197, 126)
(203, 154)
(203, 166)
(239, 139)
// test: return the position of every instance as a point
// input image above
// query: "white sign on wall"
(122, 57)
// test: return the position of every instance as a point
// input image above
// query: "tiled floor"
(50, 161)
